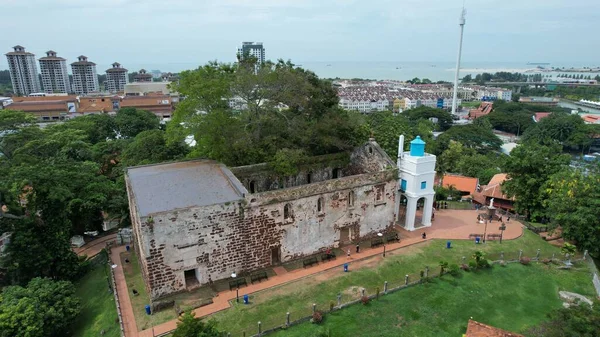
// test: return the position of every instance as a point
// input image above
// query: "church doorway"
(344, 236)
(191, 280)
(275, 255)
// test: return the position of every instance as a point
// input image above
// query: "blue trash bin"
(246, 299)
(345, 267)
(148, 311)
(127, 247)
(477, 240)
(448, 244)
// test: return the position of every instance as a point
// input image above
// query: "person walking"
(348, 252)
(424, 236)
(357, 248)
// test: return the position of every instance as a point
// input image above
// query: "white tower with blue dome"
(416, 173)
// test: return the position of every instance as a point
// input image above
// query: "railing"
(115, 292)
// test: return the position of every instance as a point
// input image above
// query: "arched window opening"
(351, 199)
(320, 205)
(337, 173)
(252, 186)
(287, 211)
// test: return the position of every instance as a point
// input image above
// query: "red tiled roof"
(52, 106)
(540, 115)
(493, 189)
(461, 183)
(476, 329)
(592, 119)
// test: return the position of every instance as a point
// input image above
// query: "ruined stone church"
(198, 220)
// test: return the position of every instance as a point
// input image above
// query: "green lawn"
(472, 104)
(514, 298)
(99, 311)
(297, 297)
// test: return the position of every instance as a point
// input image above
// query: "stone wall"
(214, 241)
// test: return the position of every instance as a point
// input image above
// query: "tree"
(131, 121)
(565, 128)
(151, 147)
(472, 136)
(444, 118)
(449, 159)
(573, 202)
(467, 78)
(386, 127)
(529, 167)
(577, 320)
(44, 308)
(190, 326)
(240, 115)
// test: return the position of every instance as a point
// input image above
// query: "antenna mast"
(461, 23)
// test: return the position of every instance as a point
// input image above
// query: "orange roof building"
(494, 190)
(160, 105)
(483, 109)
(540, 115)
(476, 329)
(467, 185)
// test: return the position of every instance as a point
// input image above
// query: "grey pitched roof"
(165, 187)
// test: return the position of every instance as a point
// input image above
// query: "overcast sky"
(195, 31)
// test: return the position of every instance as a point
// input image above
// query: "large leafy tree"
(476, 137)
(386, 128)
(444, 118)
(190, 326)
(573, 203)
(151, 147)
(131, 121)
(529, 167)
(243, 114)
(44, 308)
(566, 129)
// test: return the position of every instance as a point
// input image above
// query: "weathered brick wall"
(217, 240)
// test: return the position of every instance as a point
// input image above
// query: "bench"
(237, 283)
(310, 261)
(392, 237)
(376, 242)
(493, 236)
(327, 257)
(473, 236)
(258, 276)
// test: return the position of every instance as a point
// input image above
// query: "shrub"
(472, 265)
(365, 300)
(331, 305)
(525, 261)
(454, 270)
(317, 317)
(484, 263)
(465, 267)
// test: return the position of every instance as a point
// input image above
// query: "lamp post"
(502, 228)
(237, 288)
(381, 235)
(485, 230)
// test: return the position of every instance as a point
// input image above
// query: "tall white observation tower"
(461, 23)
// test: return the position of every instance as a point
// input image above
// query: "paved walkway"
(94, 247)
(448, 224)
(124, 301)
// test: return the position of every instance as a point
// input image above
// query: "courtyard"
(291, 288)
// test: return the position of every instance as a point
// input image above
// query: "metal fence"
(275, 323)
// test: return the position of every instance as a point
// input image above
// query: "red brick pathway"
(448, 224)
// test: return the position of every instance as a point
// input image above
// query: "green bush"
(484, 263)
(454, 270)
(472, 265)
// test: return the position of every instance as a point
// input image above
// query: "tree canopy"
(190, 326)
(239, 115)
(44, 308)
(578, 320)
(529, 166)
(476, 137)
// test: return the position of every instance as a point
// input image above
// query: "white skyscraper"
(85, 79)
(116, 78)
(23, 71)
(461, 22)
(254, 49)
(54, 74)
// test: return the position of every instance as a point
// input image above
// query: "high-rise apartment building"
(23, 71)
(143, 76)
(116, 78)
(254, 49)
(85, 79)
(54, 74)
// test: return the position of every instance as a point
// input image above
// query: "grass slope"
(99, 311)
(513, 298)
(297, 297)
